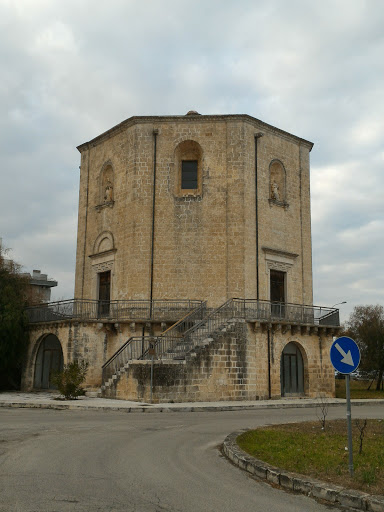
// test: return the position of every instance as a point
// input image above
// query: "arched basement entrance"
(292, 371)
(49, 359)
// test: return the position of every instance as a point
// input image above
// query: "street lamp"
(338, 303)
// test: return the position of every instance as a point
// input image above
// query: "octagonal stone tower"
(204, 207)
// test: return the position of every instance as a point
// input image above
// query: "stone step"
(91, 394)
(181, 349)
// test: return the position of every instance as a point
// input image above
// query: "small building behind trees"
(17, 291)
(13, 322)
(39, 287)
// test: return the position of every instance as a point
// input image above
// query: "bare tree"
(322, 410)
(361, 425)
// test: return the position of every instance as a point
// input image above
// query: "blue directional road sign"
(345, 355)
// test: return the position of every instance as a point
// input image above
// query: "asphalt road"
(56, 461)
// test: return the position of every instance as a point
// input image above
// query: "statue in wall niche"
(108, 195)
(275, 194)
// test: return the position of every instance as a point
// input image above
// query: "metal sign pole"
(151, 376)
(345, 358)
(349, 424)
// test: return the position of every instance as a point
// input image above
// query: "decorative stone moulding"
(104, 244)
(283, 204)
(278, 260)
(108, 204)
(103, 267)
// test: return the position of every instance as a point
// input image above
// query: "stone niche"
(106, 187)
(277, 180)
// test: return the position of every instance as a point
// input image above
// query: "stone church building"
(194, 255)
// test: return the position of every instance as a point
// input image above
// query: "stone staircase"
(183, 338)
(200, 325)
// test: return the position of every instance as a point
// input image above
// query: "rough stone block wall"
(93, 342)
(234, 366)
(216, 372)
(287, 226)
(205, 240)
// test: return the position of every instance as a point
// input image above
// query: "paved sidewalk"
(47, 400)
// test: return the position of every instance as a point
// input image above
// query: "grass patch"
(306, 449)
(358, 389)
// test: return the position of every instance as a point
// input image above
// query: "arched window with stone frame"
(189, 169)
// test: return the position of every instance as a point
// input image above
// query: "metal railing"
(132, 349)
(171, 340)
(214, 321)
(138, 347)
(200, 324)
(139, 310)
(263, 310)
(255, 310)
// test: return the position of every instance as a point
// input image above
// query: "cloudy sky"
(71, 70)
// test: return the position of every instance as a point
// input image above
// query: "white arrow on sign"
(347, 357)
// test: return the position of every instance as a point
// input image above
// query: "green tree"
(69, 380)
(13, 322)
(366, 327)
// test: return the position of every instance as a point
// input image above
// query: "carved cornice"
(278, 203)
(110, 252)
(261, 125)
(108, 204)
(279, 252)
(103, 267)
(278, 265)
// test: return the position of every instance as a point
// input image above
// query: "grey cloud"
(73, 70)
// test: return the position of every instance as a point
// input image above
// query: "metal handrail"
(84, 309)
(118, 359)
(184, 324)
(200, 324)
(137, 347)
(253, 309)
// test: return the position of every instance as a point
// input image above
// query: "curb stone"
(170, 408)
(333, 494)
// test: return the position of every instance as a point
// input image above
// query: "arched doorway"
(49, 359)
(292, 371)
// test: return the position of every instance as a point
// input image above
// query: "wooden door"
(277, 287)
(104, 293)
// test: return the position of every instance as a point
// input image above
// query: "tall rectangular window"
(277, 287)
(104, 292)
(189, 174)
